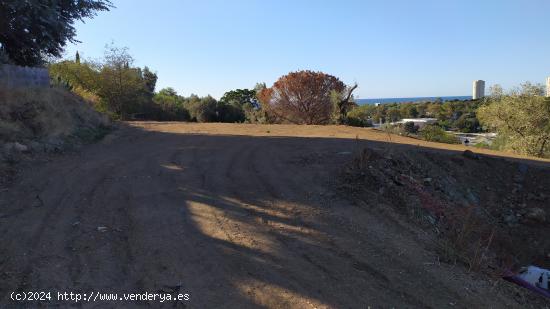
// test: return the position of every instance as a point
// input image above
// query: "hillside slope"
(44, 120)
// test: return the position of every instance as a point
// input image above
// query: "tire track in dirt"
(230, 219)
(335, 260)
(54, 218)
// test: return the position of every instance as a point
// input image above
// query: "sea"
(409, 100)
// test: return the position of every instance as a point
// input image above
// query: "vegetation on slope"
(521, 118)
(44, 120)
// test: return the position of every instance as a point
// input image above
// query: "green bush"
(434, 133)
(202, 110)
(394, 128)
(361, 116)
(229, 113)
(521, 118)
(468, 123)
(358, 122)
(410, 127)
(169, 106)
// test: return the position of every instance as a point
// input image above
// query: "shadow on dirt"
(235, 221)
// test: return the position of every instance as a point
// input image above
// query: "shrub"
(397, 128)
(468, 123)
(434, 133)
(202, 110)
(229, 113)
(410, 127)
(168, 105)
(361, 116)
(522, 118)
(358, 122)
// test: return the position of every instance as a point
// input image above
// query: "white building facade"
(478, 90)
(419, 122)
(548, 86)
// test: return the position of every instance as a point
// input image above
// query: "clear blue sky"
(391, 48)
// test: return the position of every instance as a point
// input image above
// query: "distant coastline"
(407, 100)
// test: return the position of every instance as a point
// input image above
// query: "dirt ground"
(237, 216)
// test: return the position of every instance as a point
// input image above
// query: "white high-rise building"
(548, 86)
(478, 91)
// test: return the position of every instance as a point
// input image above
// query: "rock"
(536, 214)
(20, 147)
(15, 147)
(102, 229)
(470, 155)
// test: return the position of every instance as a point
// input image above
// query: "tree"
(150, 79)
(121, 86)
(408, 110)
(202, 109)
(240, 97)
(434, 133)
(302, 97)
(467, 123)
(168, 92)
(32, 30)
(239, 105)
(170, 105)
(76, 75)
(393, 114)
(259, 87)
(229, 112)
(343, 102)
(521, 118)
(77, 58)
(496, 91)
(363, 115)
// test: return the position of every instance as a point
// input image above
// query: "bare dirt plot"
(238, 216)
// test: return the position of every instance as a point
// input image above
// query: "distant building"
(478, 89)
(548, 86)
(420, 122)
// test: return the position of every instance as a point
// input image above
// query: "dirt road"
(234, 219)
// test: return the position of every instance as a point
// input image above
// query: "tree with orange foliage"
(303, 97)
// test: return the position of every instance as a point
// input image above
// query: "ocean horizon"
(410, 100)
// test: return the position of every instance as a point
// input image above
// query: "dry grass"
(468, 239)
(39, 113)
(326, 131)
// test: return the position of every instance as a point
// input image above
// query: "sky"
(391, 48)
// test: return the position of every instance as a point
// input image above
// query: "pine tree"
(77, 57)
